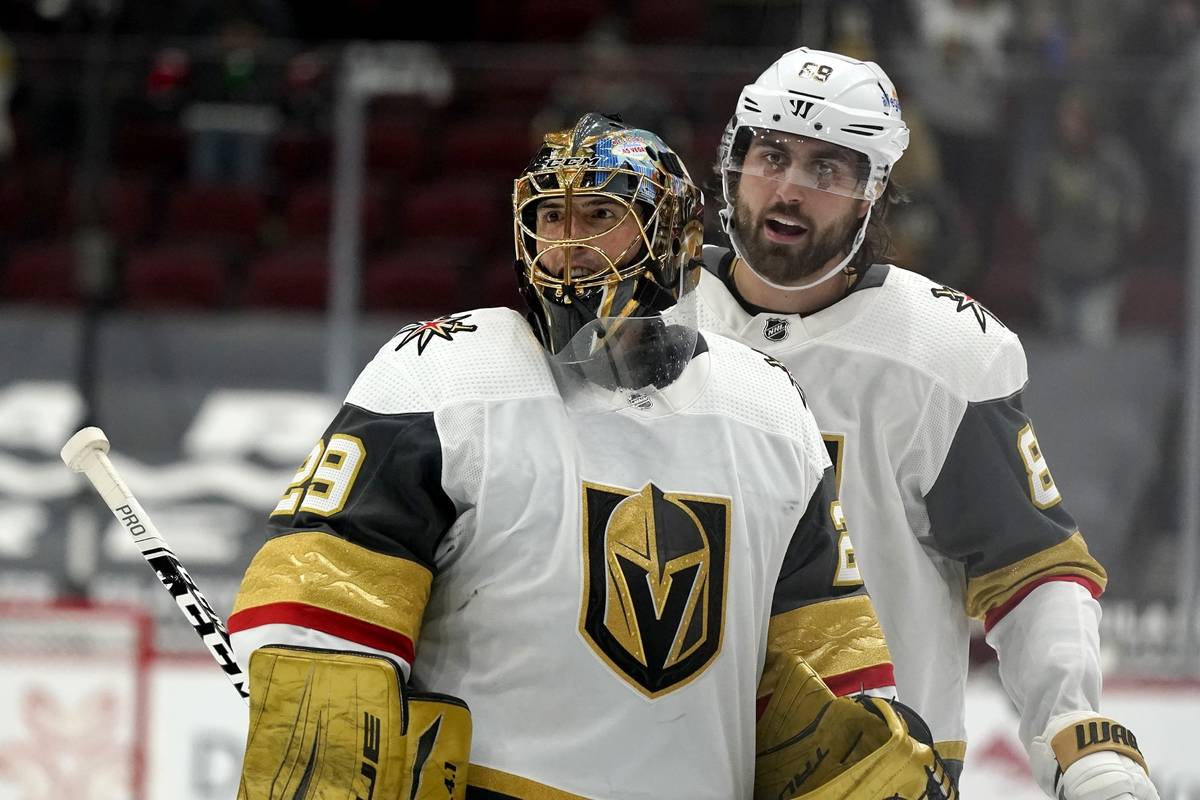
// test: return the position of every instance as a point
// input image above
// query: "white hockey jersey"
(597, 587)
(947, 496)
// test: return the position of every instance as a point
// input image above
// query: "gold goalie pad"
(813, 745)
(328, 725)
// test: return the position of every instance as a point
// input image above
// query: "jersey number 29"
(847, 573)
(324, 480)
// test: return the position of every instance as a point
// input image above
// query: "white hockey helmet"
(824, 96)
(830, 97)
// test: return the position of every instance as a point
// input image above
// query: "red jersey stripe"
(326, 621)
(860, 680)
(997, 613)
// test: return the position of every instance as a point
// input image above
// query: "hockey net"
(73, 687)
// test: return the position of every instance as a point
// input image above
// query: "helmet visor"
(762, 153)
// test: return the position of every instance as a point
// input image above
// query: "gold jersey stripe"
(327, 572)
(834, 636)
(514, 786)
(1069, 557)
(952, 750)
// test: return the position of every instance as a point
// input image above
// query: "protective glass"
(801, 161)
(637, 364)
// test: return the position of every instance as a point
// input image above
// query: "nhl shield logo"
(655, 575)
(775, 329)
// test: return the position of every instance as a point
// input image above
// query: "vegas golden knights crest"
(655, 574)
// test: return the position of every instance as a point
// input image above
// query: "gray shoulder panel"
(717, 260)
(982, 508)
(873, 277)
(811, 562)
(397, 505)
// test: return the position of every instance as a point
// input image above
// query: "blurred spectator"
(851, 31)
(8, 80)
(1040, 52)
(892, 25)
(958, 73)
(236, 112)
(166, 82)
(609, 81)
(1166, 107)
(308, 95)
(1085, 203)
(1164, 29)
(930, 231)
(1178, 98)
(1090, 29)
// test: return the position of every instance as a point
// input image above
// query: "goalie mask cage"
(73, 691)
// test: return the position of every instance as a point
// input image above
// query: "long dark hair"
(877, 244)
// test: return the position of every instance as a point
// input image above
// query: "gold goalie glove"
(813, 745)
(328, 725)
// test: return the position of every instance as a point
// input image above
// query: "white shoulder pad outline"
(483, 354)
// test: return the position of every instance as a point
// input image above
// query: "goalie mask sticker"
(655, 576)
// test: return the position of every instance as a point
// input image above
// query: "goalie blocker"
(327, 724)
(814, 745)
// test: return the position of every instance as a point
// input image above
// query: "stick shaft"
(171, 573)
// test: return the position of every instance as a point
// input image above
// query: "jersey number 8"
(1042, 490)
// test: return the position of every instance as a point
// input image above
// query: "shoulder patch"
(485, 353)
(443, 328)
(965, 302)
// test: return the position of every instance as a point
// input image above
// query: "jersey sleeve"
(994, 507)
(352, 544)
(821, 610)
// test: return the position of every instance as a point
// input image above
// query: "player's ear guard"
(813, 745)
(327, 724)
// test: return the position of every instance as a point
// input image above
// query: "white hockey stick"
(86, 452)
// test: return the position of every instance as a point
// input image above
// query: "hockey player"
(593, 529)
(918, 392)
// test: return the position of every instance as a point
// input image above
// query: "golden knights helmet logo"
(655, 575)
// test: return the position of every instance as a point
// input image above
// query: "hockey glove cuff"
(1085, 757)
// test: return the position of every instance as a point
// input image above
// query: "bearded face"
(785, 244)
(798, 203)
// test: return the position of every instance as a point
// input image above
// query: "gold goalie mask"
(607, 223)
(608, 227)
(813, 745)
